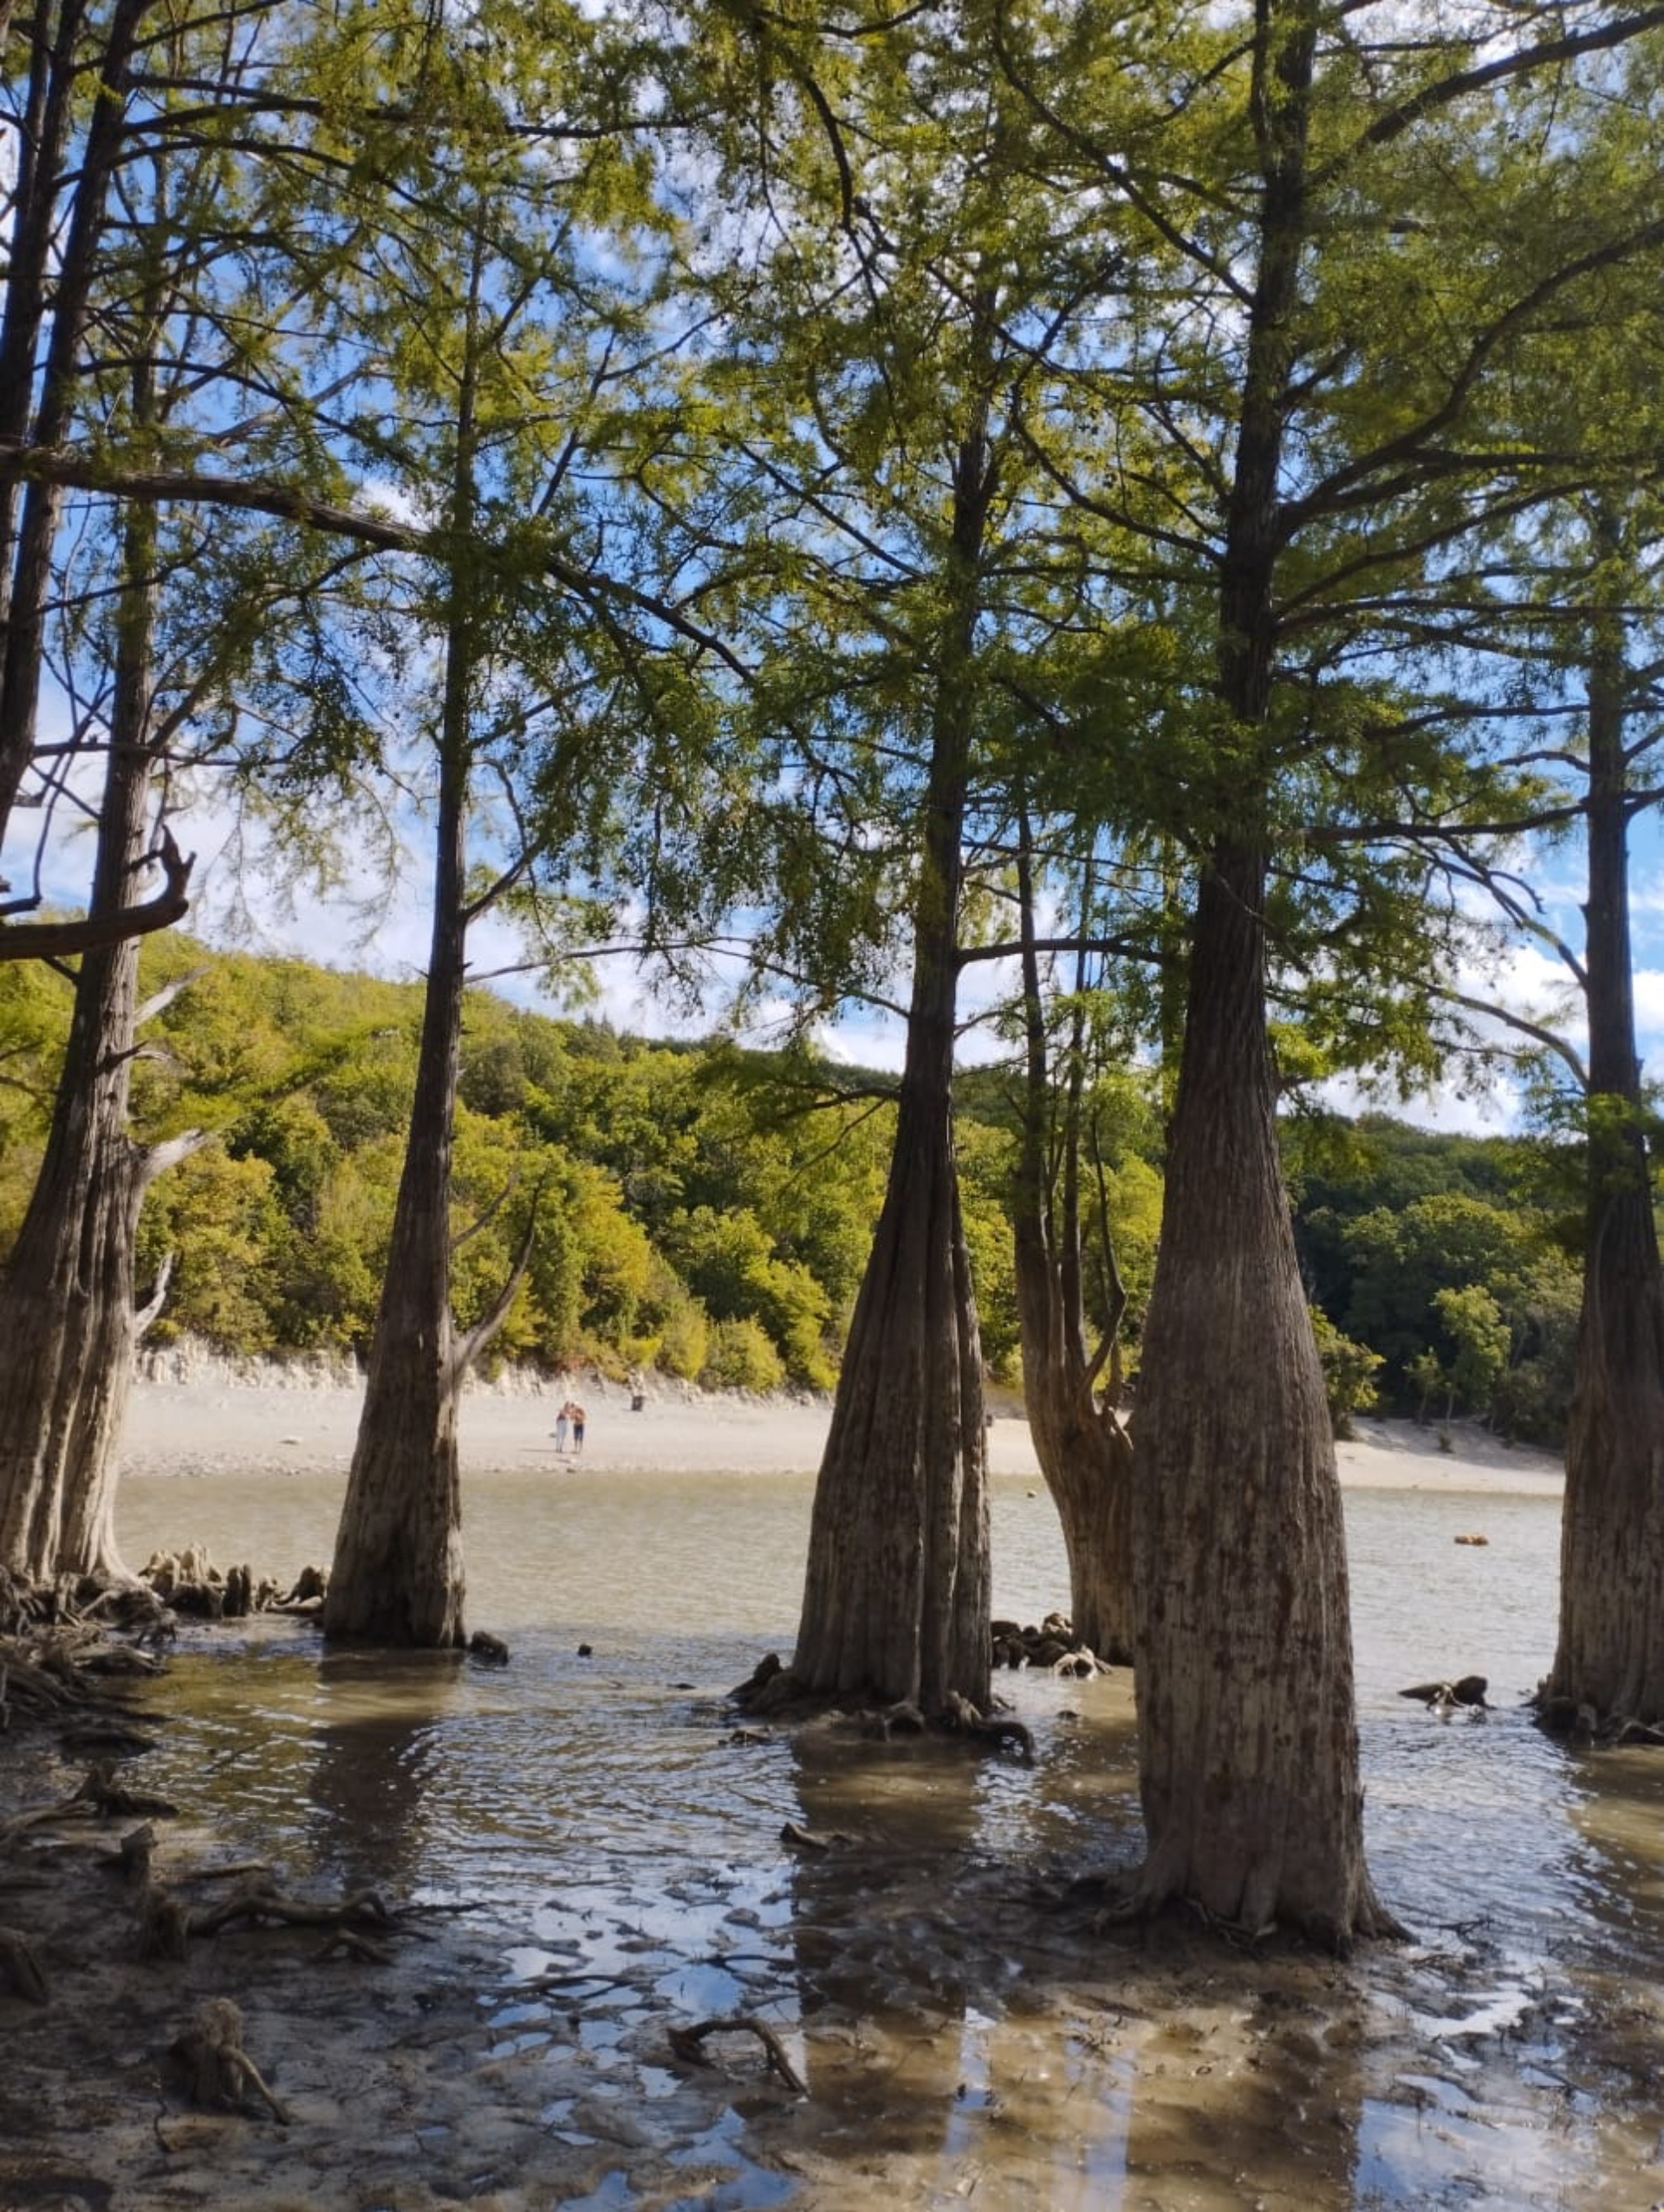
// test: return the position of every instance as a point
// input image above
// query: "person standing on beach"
(559, 1429)
(577, 1414)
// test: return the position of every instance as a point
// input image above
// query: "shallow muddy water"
(966, 2031)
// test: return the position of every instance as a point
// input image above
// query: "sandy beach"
(290, 1418)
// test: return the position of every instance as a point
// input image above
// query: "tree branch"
(37, 941)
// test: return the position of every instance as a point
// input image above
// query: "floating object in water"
(1473, 1540)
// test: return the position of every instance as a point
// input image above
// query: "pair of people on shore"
(571, 1415)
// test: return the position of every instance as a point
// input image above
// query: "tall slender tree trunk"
(896, 1593)
(398, 1576)
(1610, 1663)
(1248, 1752)
(1085, 1454)
(68, 1311)
(29, 514)
(397, 1572)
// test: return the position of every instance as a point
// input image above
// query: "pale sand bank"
(193, 1427)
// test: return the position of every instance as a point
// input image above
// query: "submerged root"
(813, 1839)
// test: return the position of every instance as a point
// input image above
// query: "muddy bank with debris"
(491, 1981)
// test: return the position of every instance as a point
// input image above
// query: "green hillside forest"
(709, 1211)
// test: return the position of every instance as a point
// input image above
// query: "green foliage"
(663, 1195)
(1473, 1321)
(1412, 1243)
(742, 1358)
(1350, 1372)
(34, 1021)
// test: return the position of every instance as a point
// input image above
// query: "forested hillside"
(710, 1211)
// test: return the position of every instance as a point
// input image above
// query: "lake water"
(620, 1831)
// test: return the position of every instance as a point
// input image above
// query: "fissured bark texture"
(1248, 1744)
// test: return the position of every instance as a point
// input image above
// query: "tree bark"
(1247, 1735)
(398, 1574)
(27, 540)
(1248, 1751)
(397, 1577)
(68, 1311)
(1085, 1454)
(896, 1592)
(1609, 1662)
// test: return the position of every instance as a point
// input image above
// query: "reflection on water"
(958, 2032)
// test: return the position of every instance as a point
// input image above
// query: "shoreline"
(194, 1426)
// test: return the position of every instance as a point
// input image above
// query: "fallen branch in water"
(688, 2043)
(813, 1839)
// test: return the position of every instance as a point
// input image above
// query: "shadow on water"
(961, 2017)
(379, 1718)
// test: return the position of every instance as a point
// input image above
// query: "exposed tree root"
(774, 1692)
(1584, 1723)
(1053, 1644)
(259, 1899)
(98, 1798)
(997, 1729)
(167, 1921)
(688, 2043)
(131, 1860)
(164, 1925)
(18, 1962)
(355, 1944)
(213, 2068)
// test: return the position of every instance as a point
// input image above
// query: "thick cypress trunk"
(896, 1592)
(896, 1596)
(1609, 1664)
(1248, 1750)
(66, 1308)
(1248, 1740)
(1085, 1454)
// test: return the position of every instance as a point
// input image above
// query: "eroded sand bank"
(189, 1426)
